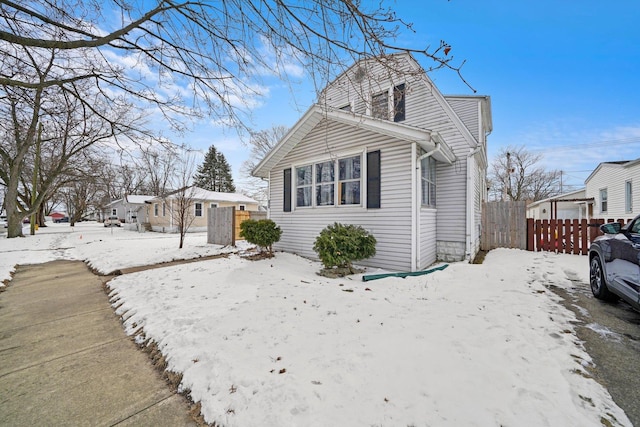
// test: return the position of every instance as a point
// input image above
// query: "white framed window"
(213, 205)
(325, 183)
(198, 208)
(114, 212)
(349, 173)
(155, 209)
(628, 196)
(164, 209)
(304, 186)
(380, 105)
(428, 181)
(242, 207)
(603, 200)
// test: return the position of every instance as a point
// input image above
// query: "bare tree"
(182, 59)
(159, 165)
(181, 201)
(517, 175)
(261, 142)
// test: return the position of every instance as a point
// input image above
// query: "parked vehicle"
(112, 221)
(59, 220)
(614, 263)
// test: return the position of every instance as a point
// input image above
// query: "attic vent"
(359, 74)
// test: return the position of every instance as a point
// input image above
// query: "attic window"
(398, 103)
(346, 107)
(380, 105)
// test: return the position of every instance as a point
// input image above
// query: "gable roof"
(427, 139)
(613, 164)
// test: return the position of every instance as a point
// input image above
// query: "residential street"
(611, 335)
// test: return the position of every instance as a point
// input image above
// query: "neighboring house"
(163, 210)
(56, 216)
(614, 186)
(131, 209)
(570, 205)
(387, 151)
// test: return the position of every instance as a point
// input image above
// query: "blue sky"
(563, 77)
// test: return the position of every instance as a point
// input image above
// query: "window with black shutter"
(373, 180)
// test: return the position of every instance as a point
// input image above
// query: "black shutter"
(287, 190)
(373, 180)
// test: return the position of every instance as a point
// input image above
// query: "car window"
(635, 228)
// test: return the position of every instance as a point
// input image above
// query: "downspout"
(470, 203)
(415, 231)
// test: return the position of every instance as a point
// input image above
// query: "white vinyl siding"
(614, 177)
(468, 111)
(427, 242)
(391, 224)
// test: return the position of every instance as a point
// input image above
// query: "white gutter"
(415, 211)
(470, 204)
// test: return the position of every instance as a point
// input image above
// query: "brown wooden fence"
(569, 236)
(223, 224)
(504, 225)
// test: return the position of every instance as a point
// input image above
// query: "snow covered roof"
(216, 196)
(137, 198)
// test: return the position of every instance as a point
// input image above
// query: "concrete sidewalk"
(65, 359)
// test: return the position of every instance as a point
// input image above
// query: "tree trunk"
(14, 217)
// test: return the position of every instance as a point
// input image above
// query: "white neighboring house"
(572, 205)
(384, 149)
(615, 186)
(131, 209)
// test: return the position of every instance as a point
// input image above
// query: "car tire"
(597, 281)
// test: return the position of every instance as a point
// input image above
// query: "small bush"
(263, 233)
(339, 245)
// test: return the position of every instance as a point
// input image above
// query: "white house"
(384, 149)
(130, 209)
(572, 205)
(614, 186)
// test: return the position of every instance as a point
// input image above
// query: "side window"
(628, 197)
(114, 212)
(213, 205)
(164, 209)
(428, 180)
(198, 209)
(242, 207)
(155, 209)
(603, 200)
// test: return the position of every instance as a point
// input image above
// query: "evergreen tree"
(214, 173)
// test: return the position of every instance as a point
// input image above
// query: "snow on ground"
(270, 343)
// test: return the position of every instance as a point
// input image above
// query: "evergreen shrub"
(263, 233)
(339, 245)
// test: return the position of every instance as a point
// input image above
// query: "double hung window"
(603, 200)
(304, 185)
(349, 180)
(428, 180)
(198, 208)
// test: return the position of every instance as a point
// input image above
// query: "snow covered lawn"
(270, 343)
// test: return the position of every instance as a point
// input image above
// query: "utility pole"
(561, 183)
(508, 186)
(34, 189)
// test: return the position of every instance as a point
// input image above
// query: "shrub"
(339, 245)
(263, 233)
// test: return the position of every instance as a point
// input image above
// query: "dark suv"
(614, 263)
